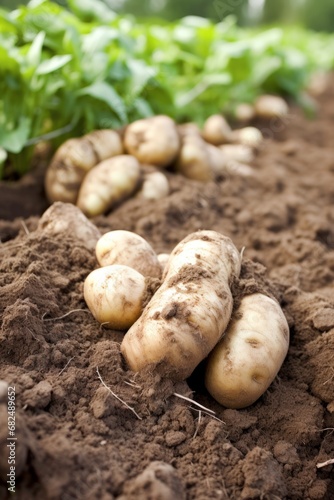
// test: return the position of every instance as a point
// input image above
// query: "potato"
(115, 295)
(74, 159)
(190, 128)
(244, 112)
(217, 160)
(154, 187)
(270, 106)
(163, 259)
(238, 152)
(237, 168)
(247, 359)
(128, 249)
(153, 140)
(64, 219)
(194, 160)
(190, 311)
(216, 130)
(107, 184)
(250, 136)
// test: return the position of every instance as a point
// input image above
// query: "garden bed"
(82, 442)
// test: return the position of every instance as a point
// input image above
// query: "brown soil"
(77, 440)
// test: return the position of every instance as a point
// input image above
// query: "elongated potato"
(74, 159)
(115, 295)
(110, 182)
(248, 357)
(190, 311)
(153, 140)
(128, 249)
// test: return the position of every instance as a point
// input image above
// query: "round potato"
(115, 295)
(153, 140)
(128, 249)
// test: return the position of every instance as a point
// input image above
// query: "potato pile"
(190, 316)
(103, 168)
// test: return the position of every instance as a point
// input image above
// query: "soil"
(88, 428)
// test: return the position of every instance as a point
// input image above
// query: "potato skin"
(194, 160)
(216, 130)
(189, 312)
(155, 186)
(128, 249)
(153, 140)
(111, 181)
(115, 295)
(270, 106)
(65, 219)
(248, 357)
(74, 158)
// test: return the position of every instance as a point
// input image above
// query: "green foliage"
(66, 72)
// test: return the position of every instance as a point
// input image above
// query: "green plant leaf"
(50, 65)
(35, 51)
(15, 140)
(104, 92)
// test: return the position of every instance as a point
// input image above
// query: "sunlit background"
(317, 15)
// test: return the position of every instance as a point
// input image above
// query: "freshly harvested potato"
(217, 160)
(115, 295)
(107, 184)
(154, 187)
(65, 219)
(128, 249)
(248, 357)
(194, 160)
(233, 167)
(249, 136)
(153, 140)
(238, 152)
(163, 259)
(244, 112)
(74, 159)
(270, 106)
(189, 129)
(190, 311)
(216, 130)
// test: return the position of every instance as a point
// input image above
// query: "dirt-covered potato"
(153, 140)
(190, 311)
(107, 184)
(247, 359)
(216, 130)
(115, 295)
(163, 259)
(128, 249)
(65, 219)
(74, 159)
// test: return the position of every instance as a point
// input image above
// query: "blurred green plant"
(66, 72)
